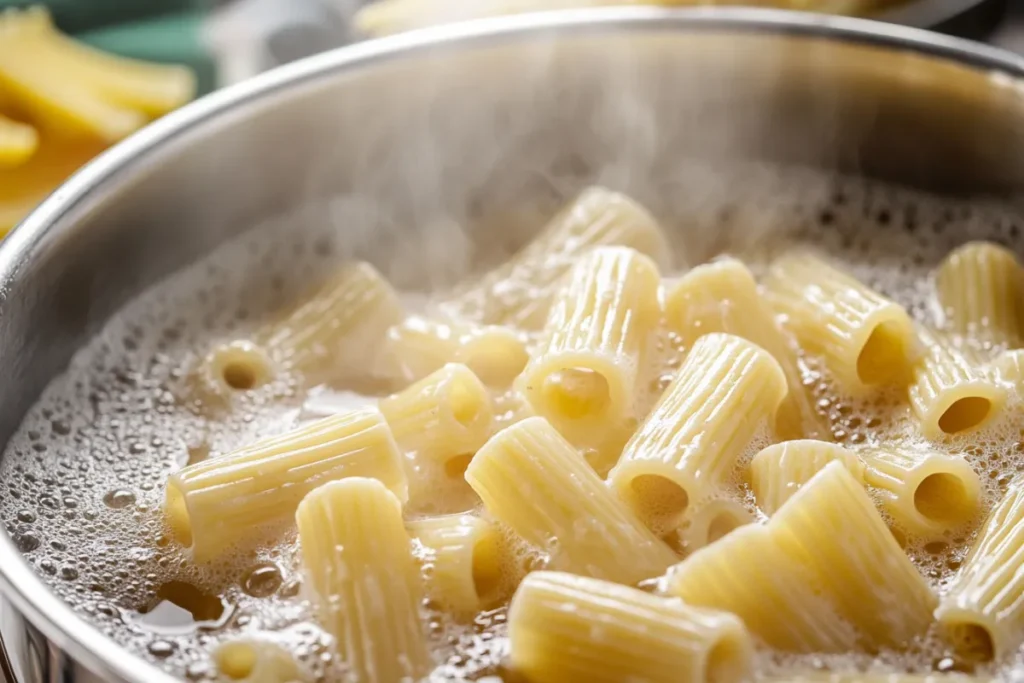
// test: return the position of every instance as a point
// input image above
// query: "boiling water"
(84, 476)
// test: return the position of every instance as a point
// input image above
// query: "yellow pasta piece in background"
(831, 524)
(778, 471)
(215, 504)
(865, 338)
(926, 493)
(533, 480)
(570, 628)
(251, 660)
(824, 677)
(363, 580)
(748, 574)
(519, 293)
(420, 346)
(980, 287)
(982, 613)
(18, 142)
(689, 445)
(466, 573)
(583, 377)
(949, 395)
(711, 521)
(722, 297)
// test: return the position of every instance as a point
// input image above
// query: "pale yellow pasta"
(949, 395)
(363, 580)
(419, 346)
(821, 677)
(832, 526)
(445, 417)
(710, 521)
(983, 613)
(926, 493)
(778, 471)
(980, 287)
(337, 333)
(583, 377)
(215, 504)
(533, 480)
(722, 297)
(864, 338)
(570, 628)
(1008, 367)
(690, 443)
(465, 561)
(519, 293)
(748, 574)
(251, 660)
(235, 366)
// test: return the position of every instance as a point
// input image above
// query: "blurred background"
(76, 76)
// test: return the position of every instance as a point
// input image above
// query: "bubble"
(26, 541)
(161, 648)
(262, 580)
(26, 516)
(119, 498)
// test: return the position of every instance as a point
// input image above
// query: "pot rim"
(18, 582)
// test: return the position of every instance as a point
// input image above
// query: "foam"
(84, 475)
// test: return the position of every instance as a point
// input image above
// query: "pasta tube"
(865, 339)
(519, 293)
(778, 471)
(444, 417)
(364, 581)
(533, 480)
(722, 297)
(18, 142)
(583, 377)
(980, 287)
(256, 661)
(569, 628)
(465, 558)
(420, 346)
(832, 525)
(711, 522)
(1009, 368)
(748, 574)
(926, 493)
(212, 503)
(690, 443)
(982, 614)
(948, 395)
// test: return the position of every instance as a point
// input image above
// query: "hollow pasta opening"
(722, 524)
(464, 399)
(576, 393)
(883, 356)
(487, 568)
(495, 358)
(726, 660)
(662, 500)
(455, 467)
(972, 641)
(177, 515)
(240, 366)
(236, 660)
(964, 414)
(943, 497)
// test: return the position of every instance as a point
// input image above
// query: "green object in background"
(75, 16)
(168, 39)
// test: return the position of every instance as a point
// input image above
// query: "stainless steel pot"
(426, 122)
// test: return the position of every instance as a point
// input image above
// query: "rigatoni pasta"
(865, 339)
(363, 579)
(711, 520)
(779, 470)
(533, 480)
(465, 556)
(519, 292)
(980, 288)
(689, 445)
(583, 377)
(214, 505)
(249, 660)
(722, 296)
(949, 395)
(982, 614)
(570, 628)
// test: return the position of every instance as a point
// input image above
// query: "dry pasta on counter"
(363, 579)
(519, 293)
(688, 446)
(533, 480)
(570, 628)
(213, 505)
(865, 338)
